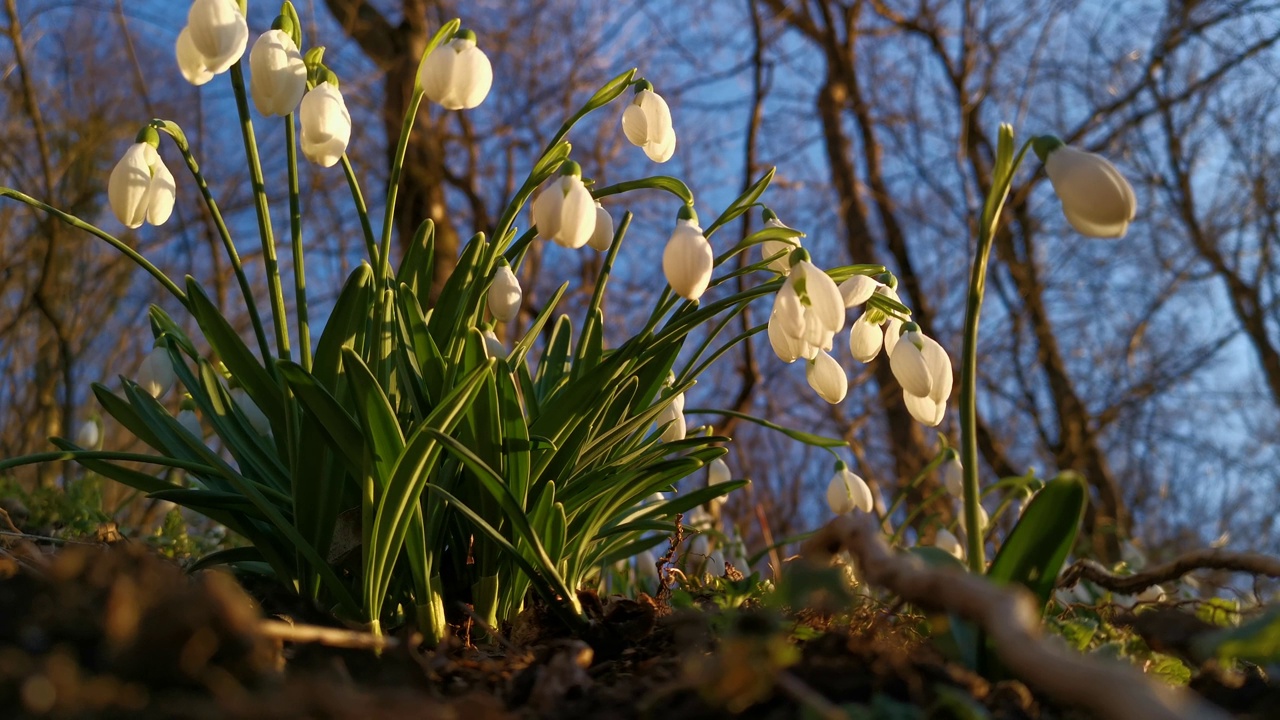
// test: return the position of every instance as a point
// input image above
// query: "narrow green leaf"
(1038, 545)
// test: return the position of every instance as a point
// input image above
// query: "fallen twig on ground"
(1107, 689)
(331, 637)
(1210, 559)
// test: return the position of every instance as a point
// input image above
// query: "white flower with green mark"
(141, 188)
(647, 123)
(326, 125)
(565, 212)
(602, 235)
(457, 74)
(213, 40)
(277, 74)
(155, 374)
(504, 293)
(827, 378)
(808, 310)
(923, 369)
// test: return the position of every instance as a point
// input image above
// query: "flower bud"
(673, 414)
(278, 76)
(1096, 199)
(457, 74)
(847, 492)
(326, 125)
(647, 124)
(953, 474)
(493, 347)
(565, 212)
(865, 339)
(948, 543)
(141, 187)
(908, 365)
(504, 293)
(155, 374)
(89, 436)
(602, 235)
(827, 378)
(782, 248)
(857, 290)
(189, 422)
(687, 260)
(213, 40)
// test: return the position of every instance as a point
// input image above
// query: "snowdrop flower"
(504, 293)
(457, 74)
(245, 404)
(155, 374)
(141, 187)
(326, 124)
(873, 329)
(770, 248)
(687, 261)
(948, 543)
(952, 474)
(277, 74)
(827, 378)
(565, 211)
(493, 347)
(602, 235)
(213, 40)
(847, 491)
(89, 436)
(923, 369)
(1096, 198)
(858, 289)
(718, 473)
(647, 123)
(808, 309)
(189, 422)
(788, 349)
(673, 413)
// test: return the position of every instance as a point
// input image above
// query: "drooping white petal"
(892, 332)
(602, 235)
(89, 435)
(909, 367)
(635, 125)
(577, 213)
(647, 124)
(130, 183)
(857, 290)
(278, 76)
(218, 32)
(162, 194)
(924, 409)
(787, 348)
(827, 378)
(788, 312)
(661, 152)
(326, 125)
(825, 301)
(1096, 199)
(657, 116)
(546, 211)
(865, 340)
(782, 248)
(848, 492)
(493, 347)
(717, 473)
(687, 260)
(953, 476)
(939, 365)
(504, 294)
(673, 413)
(474, 77)
(190, 62)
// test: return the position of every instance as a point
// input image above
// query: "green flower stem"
(1006, 165)
(111, 240)
(180, 140)
(370, 244)
(915, 481)
(915, 513)
(295, 229)
(264, 217)
(393, 184)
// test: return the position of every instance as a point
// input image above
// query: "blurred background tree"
(1151, 364)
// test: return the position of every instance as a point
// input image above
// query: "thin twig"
(1008, 615)
(1209, 559)
(328, 636)
(808, 697)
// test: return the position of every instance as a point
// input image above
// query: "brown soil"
(117, 632)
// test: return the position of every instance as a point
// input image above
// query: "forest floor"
(116, 631)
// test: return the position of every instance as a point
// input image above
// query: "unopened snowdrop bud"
(493, 346)
(189, 422)
(155, 374)
(457, 74)
(929, 409)
(257, 420)
(1096, 199)
(948, 543)
(673, 413)
(565, 211)
(602, 235)
(907, 362)
(779, 250)
(952, 474)
(278, 76)
(647, 123)
(857, 290)
(504, 293)
(89, 436)
(847, 492)
(141, 187)
(717, 473)
(326, 125)
(865, 339)
(688, 260)
(827, 378)
(213, 40)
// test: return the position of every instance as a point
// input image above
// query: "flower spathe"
(141, 187)
(277, 74)
(457, 75)
(1096, 199)
(504, 293)
(827, 378)
(565, 212)
(687, 260)
(808, 308)
(326, 125)
(647, 124)
(848, 492)
(602, 234)
(213, 40)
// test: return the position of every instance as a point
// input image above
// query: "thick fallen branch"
(1106, 689)
(1211, 559)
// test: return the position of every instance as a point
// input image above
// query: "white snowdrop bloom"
(687, 260)
(858, 289)
(257, 419)
(673, 413)
(787, 349)
(847, 491)
(564, 211)
(647, 123)
(865, 338)
(89, 436)
(908, 364)
(277, 74)
(717, 473)
(892, 331)
(189, 422)
(1096, 199)
(493, 347)
(326, 125)
(155, 374)
(602, 235)
(457, 74)
(217, 33)
(141, 187)
(930, 409)
(781, 248)
(808, 307)
(952, 473)
(948, 543)
(827, 378)
(504, 293)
